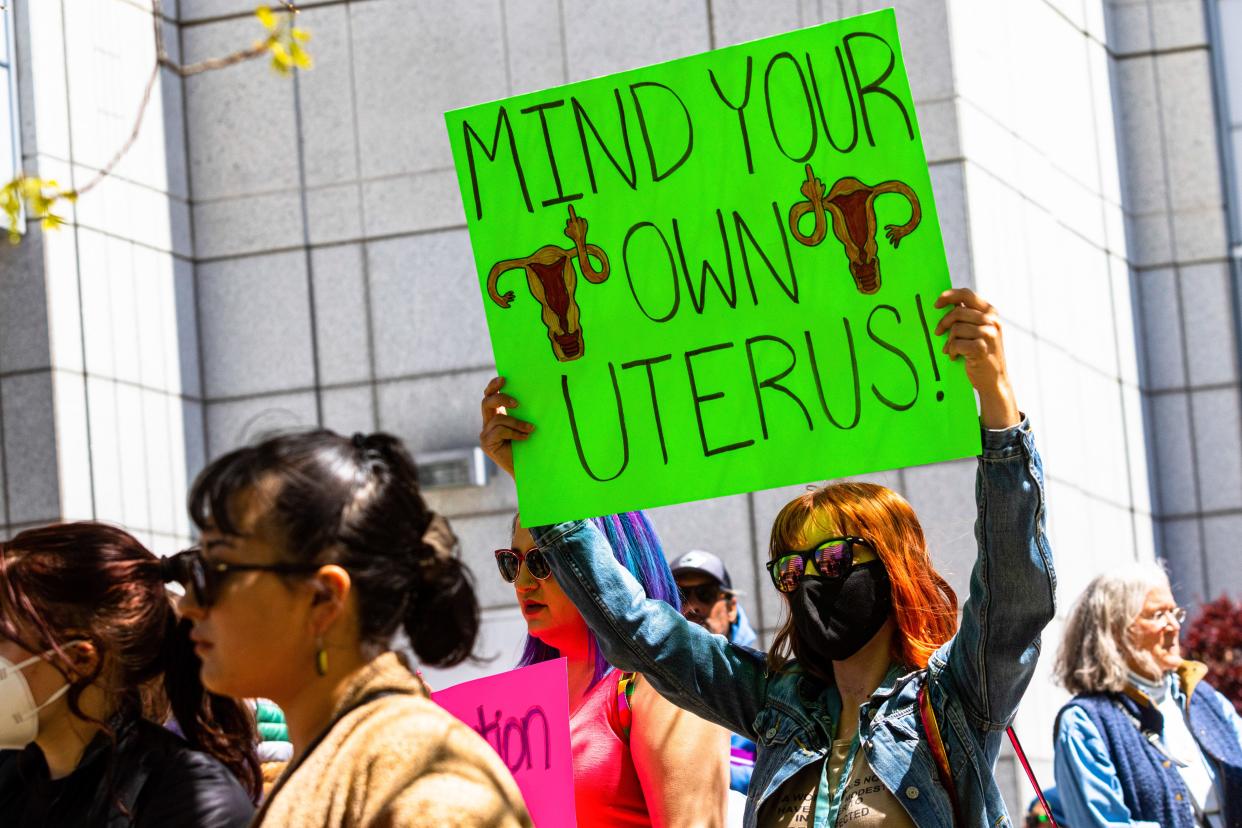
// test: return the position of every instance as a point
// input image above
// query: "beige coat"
(399, 760)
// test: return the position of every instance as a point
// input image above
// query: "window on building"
(10, 124)
(10, 148)
(1226, 16)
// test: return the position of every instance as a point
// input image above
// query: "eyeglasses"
(1176, 613)
(833, 558)
(509, 562)
(204, 579)
(701, 593)
(1033, 820)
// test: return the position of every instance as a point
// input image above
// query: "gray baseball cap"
(696, 560)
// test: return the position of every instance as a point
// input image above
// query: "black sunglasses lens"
(200, 582)
(537, 564)
(508, 563)
(833, 559)
(699, 593)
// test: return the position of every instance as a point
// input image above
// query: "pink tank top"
(606, 787)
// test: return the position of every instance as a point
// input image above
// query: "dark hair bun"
(442, 616)
(355, 502)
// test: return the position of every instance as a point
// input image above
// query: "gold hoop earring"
(321, 658)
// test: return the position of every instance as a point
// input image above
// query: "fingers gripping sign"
(974, 330)
(500, 428)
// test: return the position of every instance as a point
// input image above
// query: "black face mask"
(834, 618)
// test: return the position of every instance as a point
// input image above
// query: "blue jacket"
(975, 681)
(740, 631)
(741, 749)
(1110, 773)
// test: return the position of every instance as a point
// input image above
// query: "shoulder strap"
(625, 713)
(1030, 775)
(928, 717)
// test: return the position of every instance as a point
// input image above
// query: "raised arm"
(1012, 586)
(689, 666)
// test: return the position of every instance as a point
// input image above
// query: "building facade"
(279, 252)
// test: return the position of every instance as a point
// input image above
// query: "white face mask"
(19, 715)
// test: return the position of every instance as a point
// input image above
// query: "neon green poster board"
(714, 275)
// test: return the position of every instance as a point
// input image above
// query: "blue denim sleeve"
(1012, 586)
(1086, 779)
(688, 665)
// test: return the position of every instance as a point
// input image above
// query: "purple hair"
(636, 546)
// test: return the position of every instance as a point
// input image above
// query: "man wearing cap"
(709, 599)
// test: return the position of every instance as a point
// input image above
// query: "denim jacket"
(974, 681)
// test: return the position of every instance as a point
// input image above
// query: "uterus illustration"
(553, 280)
(850, 206)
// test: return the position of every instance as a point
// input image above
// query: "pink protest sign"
(524, 715)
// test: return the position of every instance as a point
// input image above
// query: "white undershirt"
(1198, 774)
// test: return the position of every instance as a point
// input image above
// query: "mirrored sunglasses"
(833, 558)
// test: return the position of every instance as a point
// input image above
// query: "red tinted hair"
(95, 582)
(924, 605)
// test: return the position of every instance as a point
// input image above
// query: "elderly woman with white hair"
(1145, 742)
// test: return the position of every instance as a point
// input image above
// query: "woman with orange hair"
(873, 707)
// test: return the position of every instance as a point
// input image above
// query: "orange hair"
(924, 605)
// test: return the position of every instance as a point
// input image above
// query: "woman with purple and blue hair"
(638, 759)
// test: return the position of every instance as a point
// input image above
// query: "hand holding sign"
(975, 337)
(500, 429)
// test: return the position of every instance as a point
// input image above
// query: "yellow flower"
(266, 17)
(284, 40)
(39, 197)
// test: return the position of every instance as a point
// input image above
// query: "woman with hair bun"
(92, 660)
(316, 549)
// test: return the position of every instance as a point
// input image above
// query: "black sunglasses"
(832, 558)
(509, 562)
(203, 579)
(701, 593)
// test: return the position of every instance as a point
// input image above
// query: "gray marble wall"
(292, 251)
(99, 362)
(1174, 187)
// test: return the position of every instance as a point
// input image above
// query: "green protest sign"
(714, 275)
